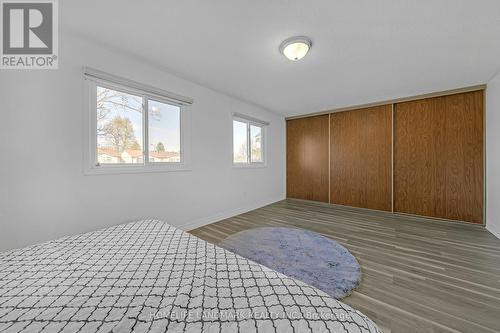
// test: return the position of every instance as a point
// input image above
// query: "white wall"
(493, 156)
(43, 192)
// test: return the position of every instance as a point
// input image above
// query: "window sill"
(112, 170)
(249, 166)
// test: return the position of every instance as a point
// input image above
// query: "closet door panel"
(307, 158)
(360, 155)
(438, 157)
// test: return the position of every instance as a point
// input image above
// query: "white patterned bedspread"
(148, 276)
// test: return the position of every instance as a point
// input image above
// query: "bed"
(149, 276)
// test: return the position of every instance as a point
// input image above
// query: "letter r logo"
(27, 28)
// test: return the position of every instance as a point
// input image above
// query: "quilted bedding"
(148, 276)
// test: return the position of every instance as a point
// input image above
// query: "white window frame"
(91, 165)
(250, 121)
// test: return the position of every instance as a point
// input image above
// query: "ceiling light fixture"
(295, 48)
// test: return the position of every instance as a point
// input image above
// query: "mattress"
(149, 276)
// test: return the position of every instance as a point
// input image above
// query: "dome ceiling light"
(295, 48)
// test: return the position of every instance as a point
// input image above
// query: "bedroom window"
(133, 127)
(248, 141)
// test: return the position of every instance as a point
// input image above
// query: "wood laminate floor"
(419, 275)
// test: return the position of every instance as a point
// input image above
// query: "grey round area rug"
(304, 255)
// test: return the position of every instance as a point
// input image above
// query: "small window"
(248, 142)
(132, 130)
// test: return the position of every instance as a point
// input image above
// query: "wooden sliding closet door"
(307, 158)
(361, 158)
(438, 157)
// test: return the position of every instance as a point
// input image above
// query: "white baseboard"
(495, 230)
(227, 214)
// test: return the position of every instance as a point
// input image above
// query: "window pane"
(119, 127)
(164, 132)
(240, 144)
(256, 143)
